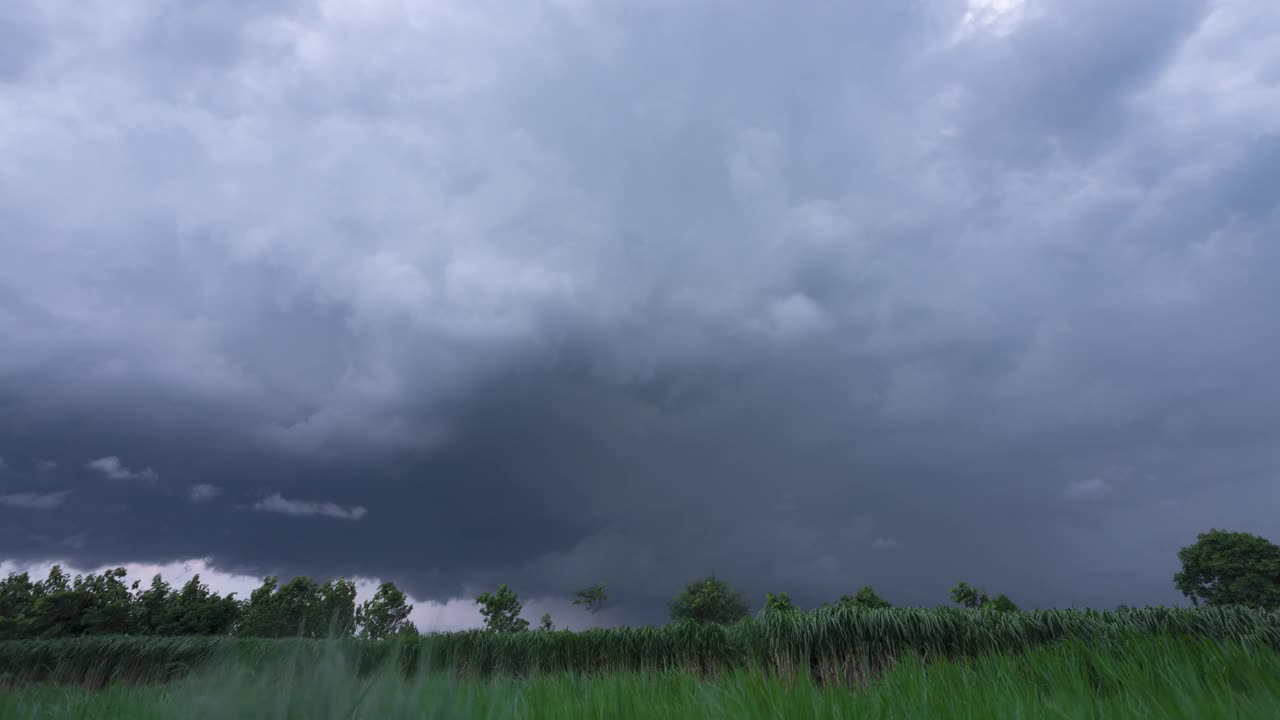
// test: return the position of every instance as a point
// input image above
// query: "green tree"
(776, 604)
(968, 596)
(17, 600)
(152, 607)
(338, 607)
(385, 614)
(865, 598)
(195, 610)
(1002, 603)
(262, 616)
(546, 625)
(501, 611)
(57, 608)
(300, 610)
(976, 598)
(593, 598)
(710, 600)
(105, 601)
(1230, 568)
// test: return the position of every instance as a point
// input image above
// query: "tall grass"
(1116, 677)
(832, 645)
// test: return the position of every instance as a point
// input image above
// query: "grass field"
(1116, 677)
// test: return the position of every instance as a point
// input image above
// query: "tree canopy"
(780, 603)
(710, 600)
(593, 598)
(101, 604)
(866, 598)
(385, 614)
(976, 598)
(1230, 568)
(501, 611)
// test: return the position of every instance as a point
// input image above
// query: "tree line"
(1221, 568)
(102, 604)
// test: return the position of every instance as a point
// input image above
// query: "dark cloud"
(807, 298)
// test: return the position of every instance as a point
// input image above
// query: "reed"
(829, 645)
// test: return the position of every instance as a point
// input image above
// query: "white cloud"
(795, 315)
(203, 492)
(45, 466)
(881, 543)
(34, 501)
(277, 503)
(999, 17)
(112, 468)
(1087, 489)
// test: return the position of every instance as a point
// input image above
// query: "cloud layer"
(567, 292)
(276, 503)
(112, 469)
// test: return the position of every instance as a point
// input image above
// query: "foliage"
(975, 598)
(709, 601)
(545, 624)
(501, 611)
(866, 598)
(836, 646)
(1230, 568)
(780, 603)
(593, 597)
(385, 614)
(968, 596)
(101, 604)
(17, 596)
(338, 607)
(1002, 603)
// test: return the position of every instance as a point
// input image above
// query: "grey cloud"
(203, 492)
(113, 469)
(33, 501)
(44, 466)
(567, 293)
(1094, 487)
(276, 503)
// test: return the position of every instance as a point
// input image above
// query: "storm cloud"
(562, 292)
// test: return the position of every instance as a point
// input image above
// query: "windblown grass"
(831, 646)
(1117, 677)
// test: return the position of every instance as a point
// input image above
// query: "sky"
(804, 295)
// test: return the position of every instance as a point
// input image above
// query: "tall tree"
(501, 611)
(301, 613)
(593, 598)
(1230, 568)
(710, 600)
(17, 600)
(195, 610)
(106, 602)
(152, 608)
(385, 614)
(338, 607)
(545, 625)
(58, 608)
(262, 615)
